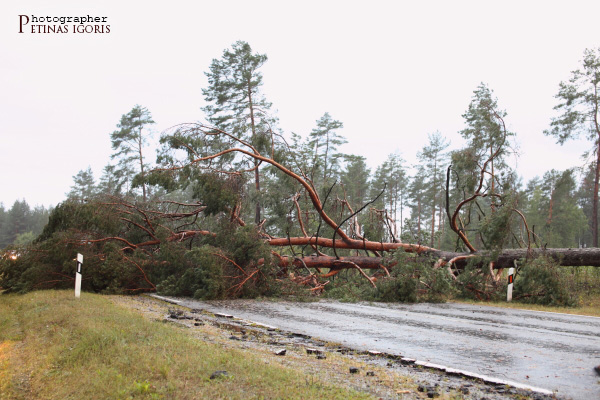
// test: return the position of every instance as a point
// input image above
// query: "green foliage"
(198, 275)
(355, 179)
(543, 281)
(475, 282)
(217, 193)
(88, 217)
(24, 238)
(216, 270)
(247, 249)
(552, 210)
(128, 143)
(51, 264)
(495, 226)
(83, 187)
(325, 141)
(411, 280)
(20, 222)
(48, 262)
(484, 130)
(233, 93)
(579, 102)
(427, 189)
(414, 280)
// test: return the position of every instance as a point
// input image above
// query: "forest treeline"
(238, 198)
(21, 224)
(557, 205)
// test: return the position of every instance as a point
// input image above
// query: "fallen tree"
(504, 259)
(195, 139)
(143, 233)
(184, 134)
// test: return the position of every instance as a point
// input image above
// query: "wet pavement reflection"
(547, 350)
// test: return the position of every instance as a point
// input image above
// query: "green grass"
(588, 305)
(53, 346)
(583, 283)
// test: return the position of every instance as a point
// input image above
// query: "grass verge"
(53, 346)
(589, 304)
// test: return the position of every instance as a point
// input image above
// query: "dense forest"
(21, 224)
(233, 206)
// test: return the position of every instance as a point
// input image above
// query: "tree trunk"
(597, 177)
(565, 257)
(256, 162)
(595, 198)
(433, 203)
(141, 163)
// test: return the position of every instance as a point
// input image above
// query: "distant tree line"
(21, 224)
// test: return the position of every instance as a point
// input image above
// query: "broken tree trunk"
(504, 259)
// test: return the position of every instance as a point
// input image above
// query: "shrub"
(543, 281)
(411, 280)
(201, 276)
(414, 280)
(475, 282)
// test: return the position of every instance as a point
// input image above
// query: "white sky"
(391, 71)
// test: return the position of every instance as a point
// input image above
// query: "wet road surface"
(546, 350)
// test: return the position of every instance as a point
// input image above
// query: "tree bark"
(595, 197)
(256, 162)
(506, 258)
(597, 177)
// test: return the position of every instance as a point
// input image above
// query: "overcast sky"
(391, 71)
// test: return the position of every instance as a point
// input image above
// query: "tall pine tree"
(325, 141)
(236, 104)
(433, 160)
(579, 107)
(83, 185)
(129, 145)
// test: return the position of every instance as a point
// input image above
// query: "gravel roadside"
(380, 375)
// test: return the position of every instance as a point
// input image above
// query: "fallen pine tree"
(150, 241)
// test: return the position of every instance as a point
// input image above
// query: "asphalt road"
(552, 351)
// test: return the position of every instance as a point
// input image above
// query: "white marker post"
(511, 278)
(78, 275)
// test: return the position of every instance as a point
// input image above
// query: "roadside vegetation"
(541, 285)
(53, 346)
(581, 284)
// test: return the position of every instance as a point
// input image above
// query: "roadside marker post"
(78, 275)
(511, 279)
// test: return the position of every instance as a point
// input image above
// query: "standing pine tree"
(83, 185)
(434, 161)
(585, 199)
(392, 176)
(579, 104)
(17, 222)
(3, 227)
(236, 104)
(325, 141)
(481, 178)
(128, 143)
(355, 179)
(110, 181)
